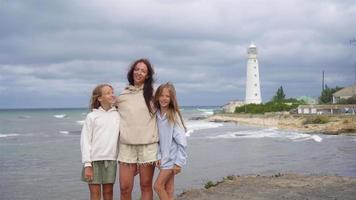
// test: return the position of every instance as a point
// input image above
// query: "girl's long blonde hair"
(173, 108)
(97, 92)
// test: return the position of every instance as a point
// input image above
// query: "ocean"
(40, 153)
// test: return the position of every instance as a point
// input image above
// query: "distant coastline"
(331, 124)
(81, 108)
(64, 108)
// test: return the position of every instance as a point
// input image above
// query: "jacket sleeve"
(86, 141)
(180, 138)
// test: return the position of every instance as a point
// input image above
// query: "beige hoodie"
(137, 126)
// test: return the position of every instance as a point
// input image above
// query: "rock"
(198, 118)
(277, 187)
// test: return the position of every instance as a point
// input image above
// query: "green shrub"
(230, 177)
(272, 106)
(209, 184)
(317, 120)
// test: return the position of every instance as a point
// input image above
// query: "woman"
(138, 131)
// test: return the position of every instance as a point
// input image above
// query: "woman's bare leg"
(126, 178)
(146, 172)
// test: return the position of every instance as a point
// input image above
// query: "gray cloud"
(54, 49)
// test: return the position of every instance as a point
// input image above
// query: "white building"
(327, 109)
(231, 106)
(345, 93)
(253, 91)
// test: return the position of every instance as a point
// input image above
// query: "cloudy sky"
(52, 53)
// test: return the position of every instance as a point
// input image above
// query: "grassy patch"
(277, 175)
(210, 184)
(272, 106)
(345, 121)
(230, 177)
(317, 120)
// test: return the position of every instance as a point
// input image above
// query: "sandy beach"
(333, 125)
(277, 187)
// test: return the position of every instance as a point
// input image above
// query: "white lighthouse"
(253, 89)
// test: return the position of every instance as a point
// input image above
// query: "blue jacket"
(172, 143)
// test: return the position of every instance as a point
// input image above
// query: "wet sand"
(277, 187)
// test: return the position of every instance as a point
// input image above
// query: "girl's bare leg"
(95, 191)
(146, 176)
(161, 181)
(108, 191)
(170, 188)
(126, 177)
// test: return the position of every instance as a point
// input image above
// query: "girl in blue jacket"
(172, 140)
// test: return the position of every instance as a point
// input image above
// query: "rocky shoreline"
(282, 186)
(277, 187)
(332, 124)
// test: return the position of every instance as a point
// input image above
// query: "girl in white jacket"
(172, 141)
(99, 143)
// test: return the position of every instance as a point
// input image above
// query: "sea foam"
(64, 132)
(269, 133)
(206, 111)
(199, 125)
(80, 122)
(8, 135)
(60, 116)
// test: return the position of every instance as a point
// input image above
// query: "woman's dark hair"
(148, 85)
